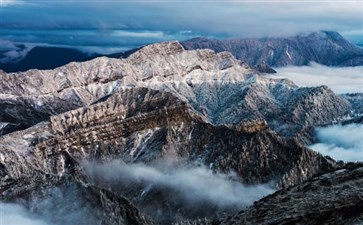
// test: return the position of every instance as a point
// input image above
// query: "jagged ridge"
(324, 47)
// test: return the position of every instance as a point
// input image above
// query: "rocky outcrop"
(332, 198)
(264, 68)
(324, 47)
(356, 102)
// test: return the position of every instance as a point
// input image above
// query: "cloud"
(4, 3)
(12, 52)
(139, 34)
(65, 204)
(167, 192)
(189, 185)
(102, 41)
(339, 79)
(15, 214)
(167, 19)
(340, 142)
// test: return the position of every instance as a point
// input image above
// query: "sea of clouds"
(340, 142)
(339, 79)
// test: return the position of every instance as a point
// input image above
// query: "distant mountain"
(324, 47)
(45, 58)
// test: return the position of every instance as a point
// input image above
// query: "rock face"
(144, 125)
(162, 103)
(324, 47)
(356, 102)
(333, 198)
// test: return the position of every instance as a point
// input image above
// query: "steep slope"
(333, 198)
(143, 125)
(356, 101)
(324, 47)
(40, 178)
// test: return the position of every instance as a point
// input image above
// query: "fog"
(167, 192)
(53, 206)
(15, 214)
(339, 79)
(13, 52)
(193, 183)
(341, 142)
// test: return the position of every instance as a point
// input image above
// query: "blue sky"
(112, 25)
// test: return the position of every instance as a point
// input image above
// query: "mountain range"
(119, 135)
(324, 47)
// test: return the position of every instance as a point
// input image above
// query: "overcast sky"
(120, 24)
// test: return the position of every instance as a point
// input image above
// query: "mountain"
(216, 85)
(356, 101)
(141, 125)
(160, 112)
(44, 58)
(313, 202)
(324, 47)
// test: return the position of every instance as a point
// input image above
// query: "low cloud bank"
(54, 206)
(167, 193)
(193, 184)
(341, 142)
(15, 214)
(13, 52)
(339, 79)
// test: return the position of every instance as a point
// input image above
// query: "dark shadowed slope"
(44, 58)
(333, 198)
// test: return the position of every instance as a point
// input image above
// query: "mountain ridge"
(223, 89)
(324, 47)
(236, 46)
